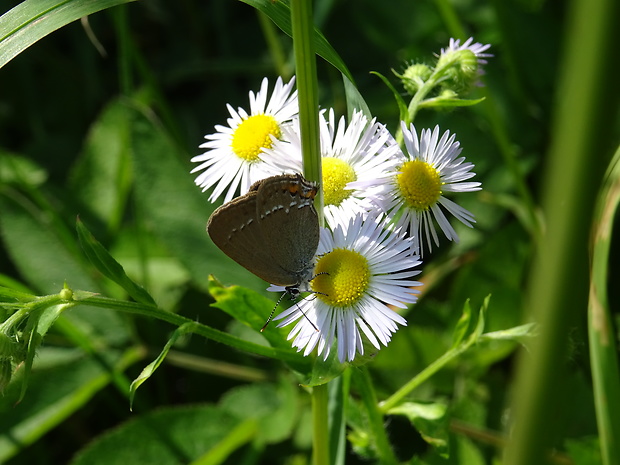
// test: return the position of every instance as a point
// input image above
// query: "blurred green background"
(108, 134)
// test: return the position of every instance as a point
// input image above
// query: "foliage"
(110, 282)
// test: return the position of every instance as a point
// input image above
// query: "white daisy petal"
(233, 159)
(430, 167)
(355, 156)
(369, 268)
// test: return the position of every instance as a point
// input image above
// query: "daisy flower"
(359, 151)
(233, 159)
(359, 271)
(460, 64)
(429, 169)
(476, 48)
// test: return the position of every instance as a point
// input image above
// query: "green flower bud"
(414, 77)
(461, 70)
(66, 294)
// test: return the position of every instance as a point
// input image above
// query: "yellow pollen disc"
(336, 174)
(252, 135)
(344, 280)
(419, 184)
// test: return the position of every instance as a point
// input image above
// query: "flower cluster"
(457, 70)
(382, 204)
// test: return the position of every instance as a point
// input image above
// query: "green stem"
(414, 104)
(307, 91)
(197, 328)
(601, 328)
(320, 441)
(424, 375)
(558, 284)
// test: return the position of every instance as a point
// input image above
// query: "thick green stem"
(320, 432)
(558, 287)
(307, 90)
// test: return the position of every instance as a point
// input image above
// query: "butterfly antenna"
(276, 306)
(272, 312)
(302, 312)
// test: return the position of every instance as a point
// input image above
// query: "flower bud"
(414, 77)
(461, 70)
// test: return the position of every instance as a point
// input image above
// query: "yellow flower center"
(252, 135)
(419, 184)
(336, 175)
(344, 279)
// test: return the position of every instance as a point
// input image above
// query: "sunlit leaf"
(32, 20)
(108, 266)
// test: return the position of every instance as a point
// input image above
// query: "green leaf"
(439, 102)
(518, 333)
(62, 381)
(280, 13)
(44, 255)
(47, 256)
(323, 371)
(355, 101)
(338, 400)
(173, 208)
(39, 321)
(32, 20)
(272, 406)
(585, 451)
(602, 322)
(101, 178)
(151, 367)
(430, 419)
(15, 169)
(402, 105)
(463, 326)
(171, 435)
(251, 309)
(10, 294)
(105, 263)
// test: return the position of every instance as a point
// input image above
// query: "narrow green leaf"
(462, 327)
(439, 102)
(513, 334)
(355, 101)
(279, 12)
(39, 321)
(402, 105)
(338, 391)
(6, 293)
(105, 263)
(32, 20)
(151, 367)
(602, 331)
